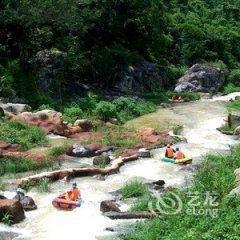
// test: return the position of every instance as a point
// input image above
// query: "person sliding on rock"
(169, 153)
(74, 194)
(179, 154)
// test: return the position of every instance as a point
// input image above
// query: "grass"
(43, 185)
(177, 129)
(216, 175)
(133, 188)
(17, 132)
(7, 219)
(234, 106)
(8, 165)
(56, 151)
(229, 88)
(2, 186)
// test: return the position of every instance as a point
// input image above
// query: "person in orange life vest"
(169, 153)
(179, 154)
(74, 194)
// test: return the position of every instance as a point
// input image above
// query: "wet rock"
(8, 235)
(27, 202)
(160, 183)
(109, 206)
(165, 105)
(144, 153)
(80, 151)
(129, 215)
(102, 159)
(110, 229)
(201, 78)
(13, 208)
(2, 114)
(85, 124)
(2, 197)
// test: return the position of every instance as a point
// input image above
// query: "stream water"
(200, 120)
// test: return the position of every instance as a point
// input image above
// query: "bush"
(105, 110)
(229, 88)
(72, 113)
(43, 185)
(234, 76)
(133, 188)
(17, 132)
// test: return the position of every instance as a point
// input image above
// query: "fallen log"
(129, 215)
(75, 172)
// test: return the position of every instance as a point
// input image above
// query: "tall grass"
(216, 175)
(133, 188)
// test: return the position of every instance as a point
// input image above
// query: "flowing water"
(200, 120)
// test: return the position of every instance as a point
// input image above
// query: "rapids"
(200, 120)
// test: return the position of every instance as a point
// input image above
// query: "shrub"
(7, 219)
(72, 113)
(133, 188)
(58, 150)
(230, 87)
(21, 133)
(234, 76)
(105, 110)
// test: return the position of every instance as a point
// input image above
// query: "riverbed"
(199, 119)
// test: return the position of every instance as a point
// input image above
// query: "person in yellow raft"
(179, 154)
(74, 194)
(169, 153)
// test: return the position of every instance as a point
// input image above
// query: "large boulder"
(13, 208)
(49, 120)
(138, 78)
(201, 78)
(27, 202)
(49, 65)
(109, 206)
(14, 108)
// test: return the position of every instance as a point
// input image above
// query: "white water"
(200, 122)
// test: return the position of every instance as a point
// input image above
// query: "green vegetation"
(17, 132)
(43, 185)
(8, 165)
(7, 219)
(230, 87)
(118, 138)
(133, 188)
(177, 129)
(98, 38)
(58, 150)
(234, 106)
(216, 176)
(2, 186)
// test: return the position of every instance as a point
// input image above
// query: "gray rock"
(109, 206)
(27, 202)
(237, 131)
(144, 153)
(14, 108)
(201, 78)
(138, 78)
(48, 65)
(80, 151)
(85, 124)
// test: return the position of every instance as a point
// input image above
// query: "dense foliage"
(220, 181)
(99, 37)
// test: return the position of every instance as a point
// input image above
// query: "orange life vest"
(73, 194)
(179, 155)
(169, 152)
